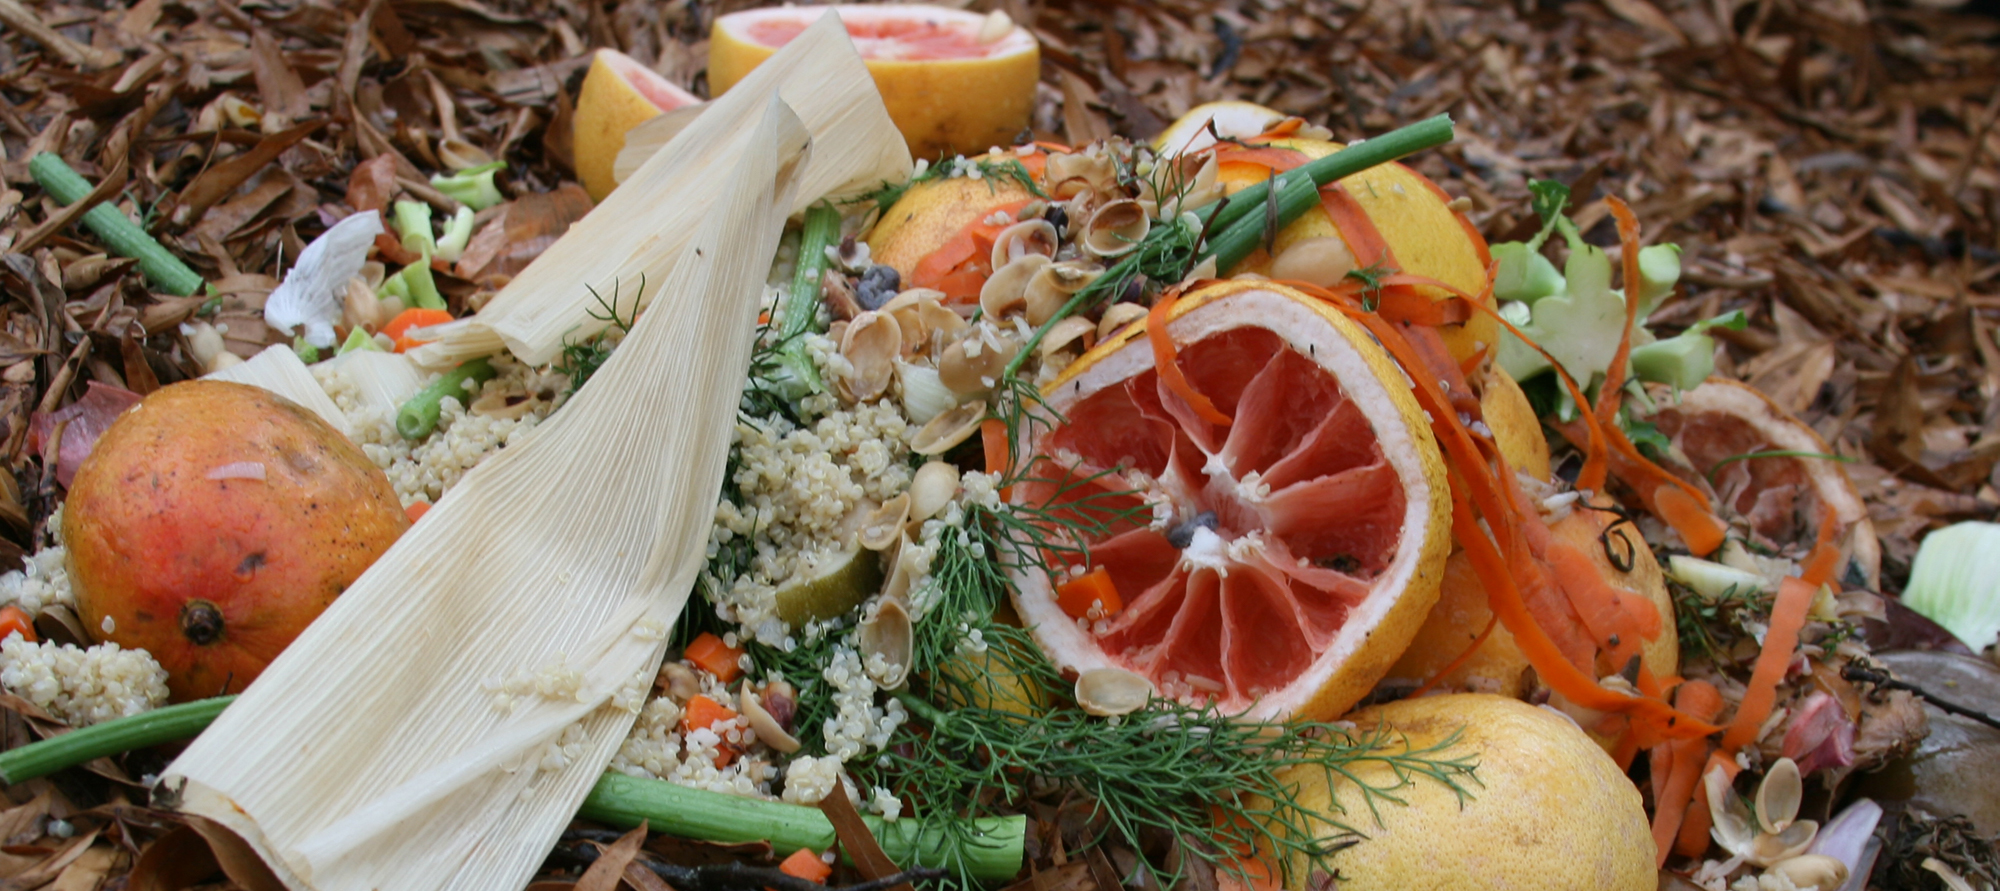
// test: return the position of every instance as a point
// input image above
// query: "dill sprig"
(582, 358)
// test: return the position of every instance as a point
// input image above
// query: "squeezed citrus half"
(618, 94)
(954, 81)
(1276, 565)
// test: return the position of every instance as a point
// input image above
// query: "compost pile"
(1830, 170)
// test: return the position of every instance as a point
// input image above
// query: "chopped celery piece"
(1659, 269)
(413, 227)
(1520, 360)
(306, 352)
(1682, 361)
(415, 286)
(358, 339)
(473, 187)
(1524, 273)
(457, 232)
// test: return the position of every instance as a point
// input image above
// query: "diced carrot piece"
(417, 509)
(14, 619)
(710, 654)
(400, 326)
(703, 712)
(804, 864)
(1092, 591)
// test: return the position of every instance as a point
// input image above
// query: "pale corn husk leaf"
(280, 371)
(382, 381)
(819, 73)
(643, 141)
(375, 752)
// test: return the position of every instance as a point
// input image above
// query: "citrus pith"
(618, 94)
(1276, 565)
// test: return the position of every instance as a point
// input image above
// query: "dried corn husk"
(381, 381)
(375, 752)
(642, 224)
(280, 371)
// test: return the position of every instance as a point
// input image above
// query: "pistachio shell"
(949, 429)
(940, 324)
(1023, 239)
(870, 344)
(1004, 290)
(1795, 840)
(1778, 796)
(1116, 228)
(886, 632)
(973, 362)
(769, 731)
(1073, 331)
(1729, 817)
(1116, 317)
(1812, 871)
(884, 525)
(931, 489)
(1112, 691)
(1054, 284)
(496, 405)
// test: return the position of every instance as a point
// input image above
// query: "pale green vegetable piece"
(1682, 361)
(1659, 270)
(1956, 581)
(1524, 273)
(1713, 581)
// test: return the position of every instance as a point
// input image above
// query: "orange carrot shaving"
(399, 327)
(804, 864)
(1608, 396)
(1674, 794)
(15, 620)
(1485, 545)
(1824, 560)
(1168, 368)
(1699, 528)
(1788, 617)
(1364, 241)
(1091, 595)
(416, 510)
(710, 654)
(959, 267)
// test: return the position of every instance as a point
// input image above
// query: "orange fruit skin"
(151, 538)
(943, 107)
(1549, 810)
(1378, 650)
(1410, 211)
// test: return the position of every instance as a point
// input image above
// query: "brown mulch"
(1832, 167)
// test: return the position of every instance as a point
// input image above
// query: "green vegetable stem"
(801, 307)
(419, 416)
(120, 234)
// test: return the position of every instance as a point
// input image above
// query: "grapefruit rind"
(942, 106)
(1375, 629)
(931, 213)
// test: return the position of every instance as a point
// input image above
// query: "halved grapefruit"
(1414, 217)
(1276, 565)
(1779, 498)
(618, 94)
(955, 81)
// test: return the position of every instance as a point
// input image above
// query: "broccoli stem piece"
(120, 234)
(801, 307)
(419, 416)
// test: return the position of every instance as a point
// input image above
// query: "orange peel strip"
(1170, 370)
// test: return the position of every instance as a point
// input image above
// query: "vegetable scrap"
(1194, 469)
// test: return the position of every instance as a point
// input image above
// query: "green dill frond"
(1371, 282)
(581, 359)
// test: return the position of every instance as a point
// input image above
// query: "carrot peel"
(1170, 370)
(1788, 618)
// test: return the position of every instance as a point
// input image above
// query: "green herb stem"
(120, 234)
(163, 725)
(620, 800)
(801, 308)
(419, 416)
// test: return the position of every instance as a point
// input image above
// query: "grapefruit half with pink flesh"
(618, 94)
(955, 82)
(1275, 566)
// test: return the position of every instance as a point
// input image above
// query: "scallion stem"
(121, 235)
(994, 853)
(801, 308)
(162, 725)
(419, 416)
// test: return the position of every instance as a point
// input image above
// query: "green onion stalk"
(419, 416)
(1238, 224)
(800, 312)
(617, 799)
(120, 234)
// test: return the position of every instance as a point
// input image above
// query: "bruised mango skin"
(215, 576)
